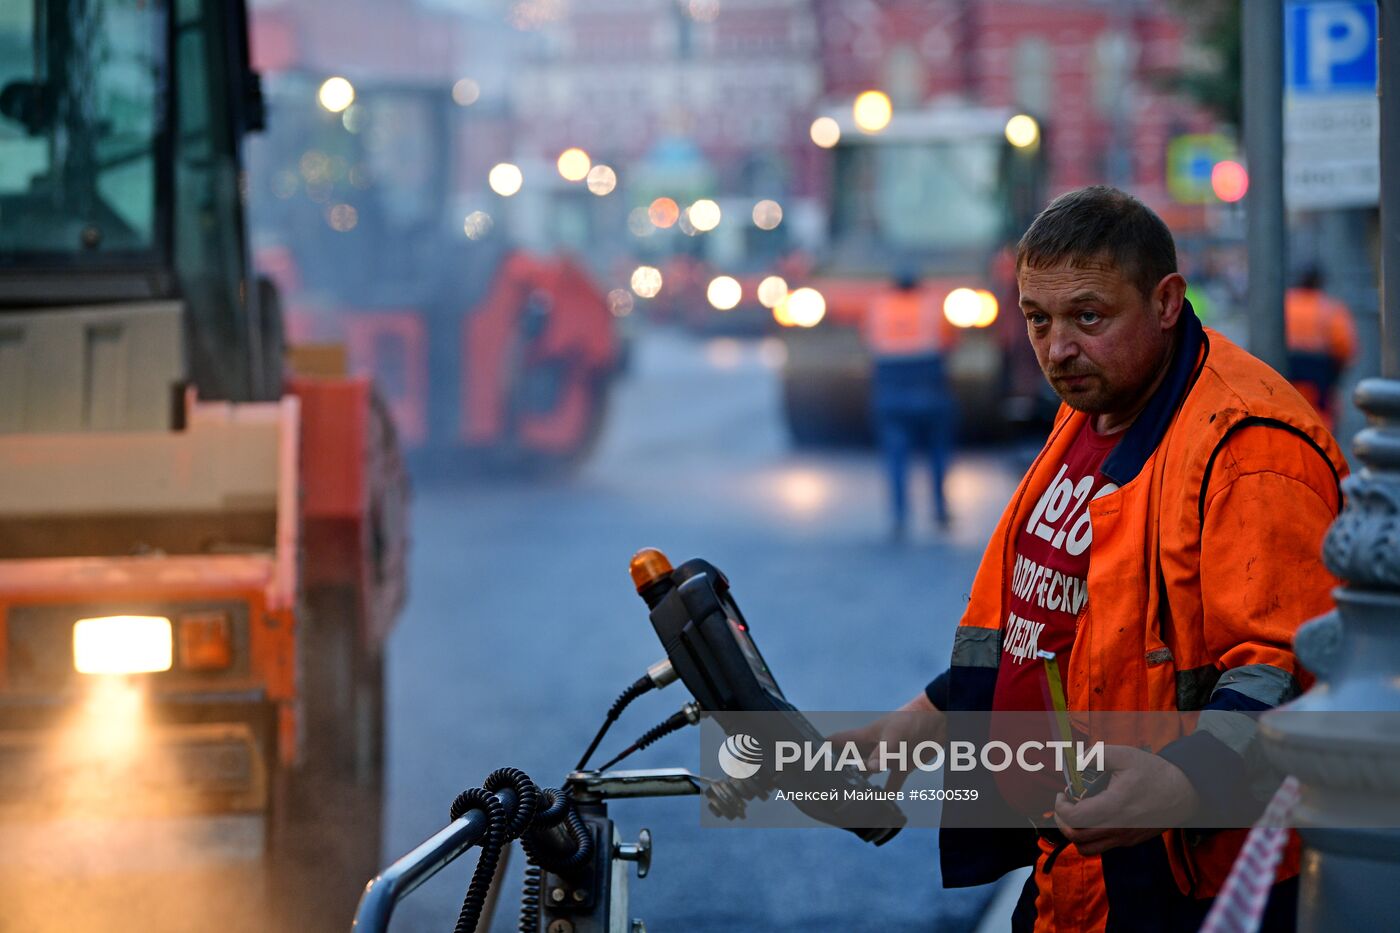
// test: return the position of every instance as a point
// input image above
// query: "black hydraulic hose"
(686, 716)
(642, 685)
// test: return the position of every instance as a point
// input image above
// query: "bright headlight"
(966, 307)
(122, 645)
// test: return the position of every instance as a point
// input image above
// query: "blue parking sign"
(1331, 47)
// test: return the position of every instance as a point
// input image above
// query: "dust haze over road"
(522, 627)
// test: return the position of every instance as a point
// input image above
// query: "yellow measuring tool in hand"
(1060, 708)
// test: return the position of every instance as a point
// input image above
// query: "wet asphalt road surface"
(522, 627)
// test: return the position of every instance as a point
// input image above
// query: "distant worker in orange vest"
(910, 402)
(1321, 342)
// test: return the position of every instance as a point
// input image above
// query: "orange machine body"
(328, 512)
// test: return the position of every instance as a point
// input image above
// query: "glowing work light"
(122, 645)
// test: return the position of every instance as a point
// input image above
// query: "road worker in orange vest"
(1321, 342)
(1163, 548)
(911, 407)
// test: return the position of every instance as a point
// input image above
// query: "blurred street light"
(806, 307)
(990, 308)
(825, 132)
(343, 218)
(574, 164)
(767, 215)
(966, 307)
(477, 225)
(664, 212)
(772, 290)
(466, 92)
(620, 302)
(646, 281)
(872, 111)
(705, 215)
(505, 179)
(602, 180)
(724, 293)
(1022, 131)
(703, 11)
(336, 94)
(315, 166)
(1229, 181)
(780, 312)
(962, 307)
(528, 15)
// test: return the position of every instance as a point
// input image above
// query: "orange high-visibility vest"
(1316, 323)
(904, 323)
(1321, 342)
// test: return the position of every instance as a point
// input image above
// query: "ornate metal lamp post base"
(1342, 738)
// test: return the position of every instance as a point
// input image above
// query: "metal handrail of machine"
(393, 884)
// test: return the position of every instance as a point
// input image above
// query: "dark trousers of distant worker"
(912, 409)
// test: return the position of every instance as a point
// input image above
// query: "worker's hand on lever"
(1145, 791)
(914, 722)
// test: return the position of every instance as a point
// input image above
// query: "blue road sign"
(1331, 47)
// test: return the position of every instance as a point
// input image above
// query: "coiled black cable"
(478, 798)
(527, 797)
(641, 686)
(530, 900)
(544, 849)
(533, 815)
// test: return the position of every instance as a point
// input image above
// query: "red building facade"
(738, 77)
(1094, 72)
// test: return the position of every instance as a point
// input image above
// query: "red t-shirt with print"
(1047, 592)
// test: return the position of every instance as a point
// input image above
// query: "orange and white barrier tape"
(1240, 905)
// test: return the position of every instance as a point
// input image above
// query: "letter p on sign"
(1331, 46)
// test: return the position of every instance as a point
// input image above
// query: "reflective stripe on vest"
(1263, 683)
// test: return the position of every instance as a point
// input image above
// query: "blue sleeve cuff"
(1218, 775)
(937, 691)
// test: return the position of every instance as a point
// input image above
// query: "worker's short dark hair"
(1100, 223)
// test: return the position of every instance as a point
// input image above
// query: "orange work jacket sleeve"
(1268, 506)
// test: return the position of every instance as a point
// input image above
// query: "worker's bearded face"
(1101, 343)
